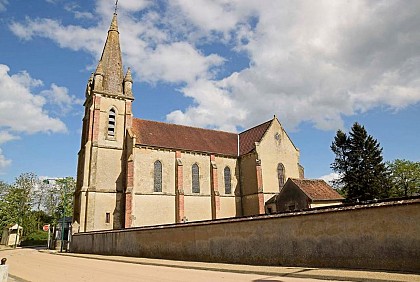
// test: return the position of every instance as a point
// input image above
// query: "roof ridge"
(307, 179)
(187, 126)
(256, 126)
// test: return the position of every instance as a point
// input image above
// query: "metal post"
(64, 215)
(49, 236)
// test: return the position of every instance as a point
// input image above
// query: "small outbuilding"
(299, 194)
(12, 235)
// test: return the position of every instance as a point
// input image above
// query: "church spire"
(110, 63)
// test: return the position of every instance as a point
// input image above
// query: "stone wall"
(383, 236)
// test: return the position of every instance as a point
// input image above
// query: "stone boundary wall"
(381, 236)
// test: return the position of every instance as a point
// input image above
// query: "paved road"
(32, 265)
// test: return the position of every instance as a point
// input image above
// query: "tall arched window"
(195, 178)
(111, 122)
(281, 175)
(227, 177)
(157, 174)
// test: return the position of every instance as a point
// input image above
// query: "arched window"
(280, 175)
(195, 179)
(227, 177)
(111, 122)
(157, 174)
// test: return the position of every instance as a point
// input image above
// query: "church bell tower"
(101, 181)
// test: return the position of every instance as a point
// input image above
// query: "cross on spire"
(116, 6)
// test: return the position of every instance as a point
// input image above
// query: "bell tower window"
(111, 123)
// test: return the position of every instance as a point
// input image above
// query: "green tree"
(358, 161)
(24, 187)
(405, 177)
(6, 217)
(58, 196)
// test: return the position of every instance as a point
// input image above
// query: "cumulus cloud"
(329, 178)
(4, 162)
(59, 96)
(7, 136)
(20, 109)
(308, 61)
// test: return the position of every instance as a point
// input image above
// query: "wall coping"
(314, 211)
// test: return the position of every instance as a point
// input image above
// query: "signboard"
(46, 227)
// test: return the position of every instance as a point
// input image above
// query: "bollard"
(3, 270)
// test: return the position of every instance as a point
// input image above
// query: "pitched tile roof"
(317, 189)
(248, 138)
(179, 137)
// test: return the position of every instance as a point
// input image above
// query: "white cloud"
(3, 4)
(20, 109)
(329, 178)
(7, 136)
(314, 61)
(59, 96)
(4, 162)
(166, 62)
(74, 8)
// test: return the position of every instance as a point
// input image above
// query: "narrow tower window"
(280, 175)
(227, 177)
(111, 122)
(195, 179)
(157, 177)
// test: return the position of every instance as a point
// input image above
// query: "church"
(133, 172)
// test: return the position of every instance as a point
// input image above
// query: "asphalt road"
(32, 265)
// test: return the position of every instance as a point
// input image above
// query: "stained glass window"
(227, 177)
(195, 179)
(280, 175)
(157, 177)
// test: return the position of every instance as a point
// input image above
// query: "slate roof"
(317, 189)
(180, 137)
(248, 138)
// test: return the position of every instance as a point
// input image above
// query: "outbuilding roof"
(316, 189)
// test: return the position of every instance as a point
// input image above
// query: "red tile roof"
(248, 138)
(317, 189)
(179, 137)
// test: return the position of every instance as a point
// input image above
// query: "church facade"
(135, 172)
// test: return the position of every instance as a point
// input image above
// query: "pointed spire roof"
(110, 63)
(128, 76)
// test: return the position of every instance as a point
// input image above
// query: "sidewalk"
(297, 272)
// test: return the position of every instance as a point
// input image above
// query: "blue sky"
(318, 66)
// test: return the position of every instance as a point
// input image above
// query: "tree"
(405, 177)
(5, 216)
(58, 196)
(358, 161)
(32, 203)
(24, 187)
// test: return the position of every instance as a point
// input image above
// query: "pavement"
(292, 272)
(295, 272)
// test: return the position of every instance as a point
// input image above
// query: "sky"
(319, 66)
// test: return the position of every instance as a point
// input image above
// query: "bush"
(36, 238)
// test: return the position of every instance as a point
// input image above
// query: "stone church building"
(135, 172)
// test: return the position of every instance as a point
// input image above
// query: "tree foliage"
(405, 177)
(32, 203)
(358, 161)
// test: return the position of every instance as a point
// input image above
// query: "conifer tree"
(359, 162)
